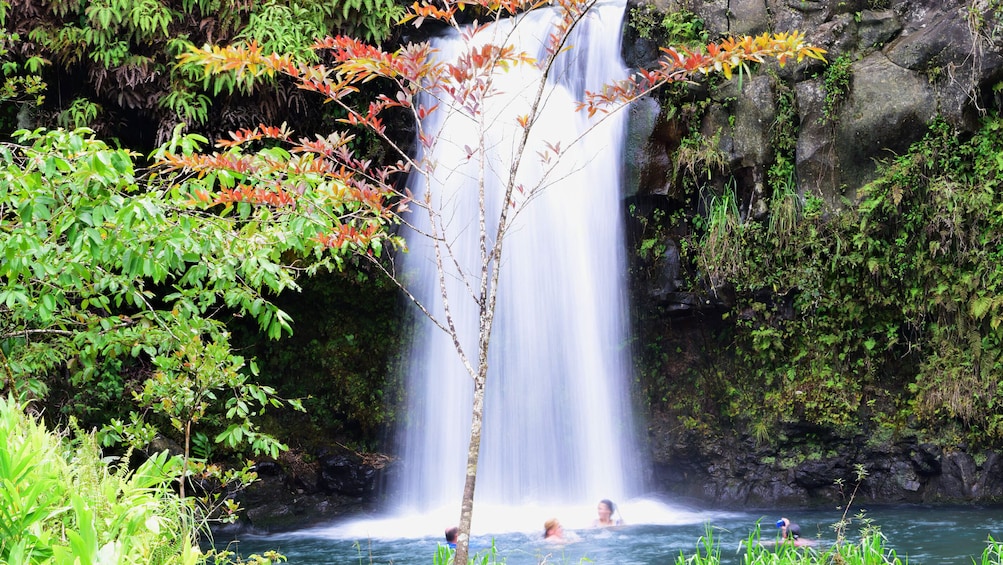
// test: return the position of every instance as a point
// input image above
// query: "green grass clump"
(444, 556)
(992, 554)
(869, 550)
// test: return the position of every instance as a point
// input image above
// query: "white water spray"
(558, 429)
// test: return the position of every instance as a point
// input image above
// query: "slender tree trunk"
(188, 447)
(473, 455)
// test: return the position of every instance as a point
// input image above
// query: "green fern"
(189, 107)
(81, 113)
(285, 28)
(150, 19)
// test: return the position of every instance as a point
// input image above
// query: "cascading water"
(558, 428)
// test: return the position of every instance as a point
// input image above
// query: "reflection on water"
(656, 534)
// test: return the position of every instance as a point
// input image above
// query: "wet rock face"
(292, 494)
(902, 64)
(887, 109)
(737, 471)
(343, 474)
(912, 61)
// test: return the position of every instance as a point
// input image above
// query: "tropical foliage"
(116, 58)
(120, 282)
(342, 360)
(887, 307)
(61, 503)
(64, 501)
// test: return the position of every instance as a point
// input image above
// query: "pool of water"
(655, 534)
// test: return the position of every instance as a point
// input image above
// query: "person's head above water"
(606, 509)
(552, 529)
(451, 534)
(788, 529)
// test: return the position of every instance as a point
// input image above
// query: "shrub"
(60, 503)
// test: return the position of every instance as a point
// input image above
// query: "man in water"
(790, 532)
(451, 534)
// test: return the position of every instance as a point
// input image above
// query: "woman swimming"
(606, 509)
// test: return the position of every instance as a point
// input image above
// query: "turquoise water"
(924, 534)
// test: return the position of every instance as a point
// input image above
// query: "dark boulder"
(347, 475)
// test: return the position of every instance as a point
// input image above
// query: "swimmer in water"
(606, 509)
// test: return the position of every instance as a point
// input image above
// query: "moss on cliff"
(885, 311)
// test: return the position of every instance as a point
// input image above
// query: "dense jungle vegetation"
(111, 67)
(880, 313)
(130, 300)
(883, 312)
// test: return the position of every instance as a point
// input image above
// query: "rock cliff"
(894, 66)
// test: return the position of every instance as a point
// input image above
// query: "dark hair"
(609, 503)
(451, 534)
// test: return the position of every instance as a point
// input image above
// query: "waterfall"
(558, 427)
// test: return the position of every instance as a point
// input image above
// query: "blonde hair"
(550, 525)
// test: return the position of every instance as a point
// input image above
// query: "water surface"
(933, 535)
